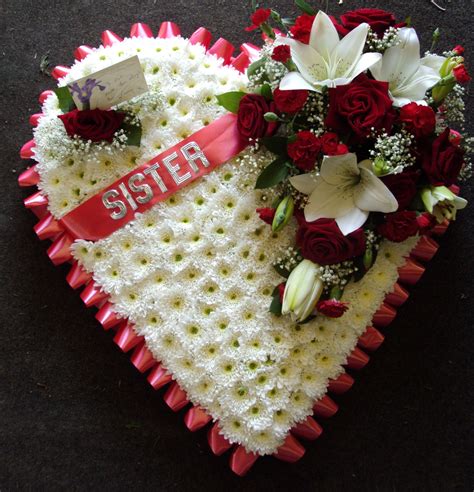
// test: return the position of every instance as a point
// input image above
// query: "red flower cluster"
(305, 150)
(399, 226)
(419, 120)
(332, 308)
(92, 124)
(281, 53)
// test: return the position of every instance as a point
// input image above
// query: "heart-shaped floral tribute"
(256, 285)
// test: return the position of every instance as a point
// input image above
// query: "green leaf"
(134, 134)
(281, 271)
(277, 145)
(271, 117)
(65, 101)
(305, 7)
(231, 100)
(275, 306)
(255, 66)
(273, 174)
(266, 92)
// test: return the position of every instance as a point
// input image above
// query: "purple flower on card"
(84, 93)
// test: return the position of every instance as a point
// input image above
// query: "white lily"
(302, 291)
(327, 60)
(344, 191)
(408, 75)
(442, 202)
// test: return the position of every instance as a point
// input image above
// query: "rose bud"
(283, 213)
(303, 290)
(442, 202)
(332, 308)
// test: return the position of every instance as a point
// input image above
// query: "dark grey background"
(75, 414)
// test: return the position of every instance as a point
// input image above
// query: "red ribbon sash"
(155, 181)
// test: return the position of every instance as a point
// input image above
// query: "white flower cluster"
(389, 39)
(393, 153)
(183, 83)
(195, 273)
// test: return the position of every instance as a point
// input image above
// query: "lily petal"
(305, 183)
(294, 81)
(340, 169)
(433, 61)
(415, 88)
(352, 221)
(324, 37)
(349, 50)
(328, 202)
(367, 60)
(372, 195)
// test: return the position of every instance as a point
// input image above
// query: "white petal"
(348, 51)
(294, 81)
(340, 169)
(433, 61)
(324, 37)
(328, 202)
(352, 221)
(460, 202)
(401, 61)
(304, 183)
(367, 60)
(415, 88)
(372, 195)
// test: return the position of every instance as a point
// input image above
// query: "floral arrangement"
(354, 150)
(363, 132)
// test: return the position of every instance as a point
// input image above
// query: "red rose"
(92, 124)
(304, 150)
(461, 75)
(258, 18)
(378, 20)
(331, 146)
(266, 214)
(301, 30)
(358, 107)
(281, 53)
(459, 50)
(322, 241)
(419, 120)
(332, 308)
(399, 226)
(443, 162)
(290, 101)
(426, 222)
(250, 118)
(402, 186)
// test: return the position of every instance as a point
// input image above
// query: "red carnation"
(258, 18)
(402, 186)
(461, 75)
(331, 146)
(359, 107)
(301, 30)
(419, 120)
(378, 20)
(399, 226)
(443, 162)
(250, 117)
(290, 101)
(92, 124)
(266, 214)
(455, 137)
(332, 308)
(304, 150)
(459, 50)
(322, 241)
(281, 53)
